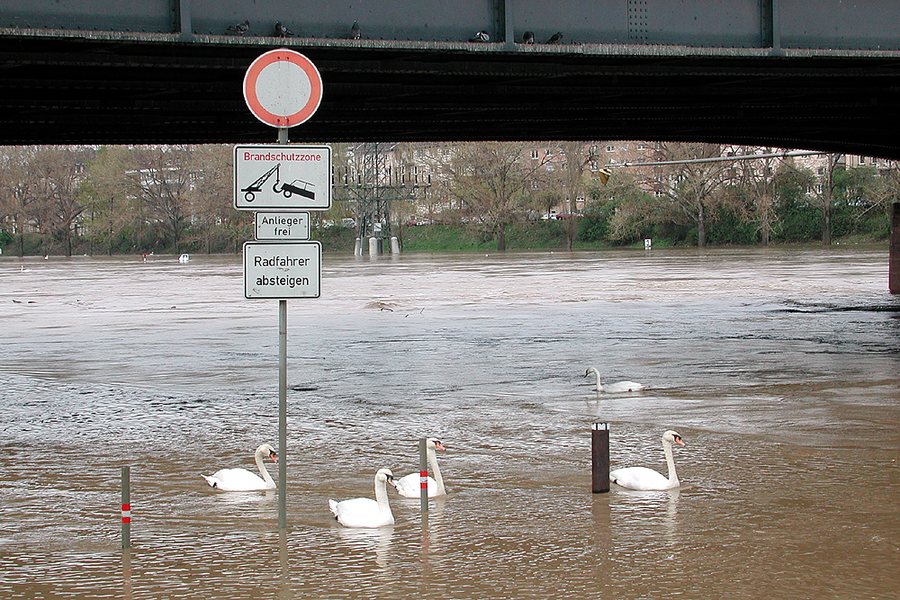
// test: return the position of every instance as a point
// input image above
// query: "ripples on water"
(781, 373)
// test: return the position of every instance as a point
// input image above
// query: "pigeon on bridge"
(239, 29)
(281, 30)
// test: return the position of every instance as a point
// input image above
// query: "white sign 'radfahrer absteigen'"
(282, 271)
(282, 176)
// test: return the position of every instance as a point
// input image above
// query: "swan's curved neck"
(670, 463)
(262, 470)
(436, 471)
(599, 383)
(381, 495)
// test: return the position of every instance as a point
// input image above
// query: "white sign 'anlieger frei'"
(282, 271)
(282, 226)
(283, 177)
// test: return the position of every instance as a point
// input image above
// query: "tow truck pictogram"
(287, 189)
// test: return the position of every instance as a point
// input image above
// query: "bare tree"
(162, 183)
(491, 181)
(576, 160)
(105, 198)
(210, 196)
(440, 202)
(755, 179)
(693, 187)
(17, 191)
(59, 171)
(825, 195)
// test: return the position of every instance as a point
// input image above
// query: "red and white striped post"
(126, 507)
(423, 476)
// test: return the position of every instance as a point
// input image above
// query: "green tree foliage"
(800, 219)
(178, 198)
(862, 200)
(107, 205)
(620, 212)
(730, 227)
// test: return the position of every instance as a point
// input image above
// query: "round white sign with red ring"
(282, 88)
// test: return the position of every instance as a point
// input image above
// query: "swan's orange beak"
(679, 441)
(274, 456)
(439, 446)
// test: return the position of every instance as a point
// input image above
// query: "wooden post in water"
(600, 458)
(894, 257)
(126, 507)
(423, 477)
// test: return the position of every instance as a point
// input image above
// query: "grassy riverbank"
(543, 235)
(432, 239)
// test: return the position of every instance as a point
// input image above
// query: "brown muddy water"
(780, 368)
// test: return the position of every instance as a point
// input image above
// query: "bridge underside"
(96, 90)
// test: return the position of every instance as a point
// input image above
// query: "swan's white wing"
(639, 478)
(409, 486)
(622, 387)
(236, 480)
(360, 512)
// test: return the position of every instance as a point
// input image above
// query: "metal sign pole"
(282, 88)
(282, 393)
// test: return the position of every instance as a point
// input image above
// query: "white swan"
(642, 478)
(410, 485)
(365, 512)
(242, 480)
(619, 387)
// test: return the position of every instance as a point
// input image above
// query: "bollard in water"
(126, 507)
(423, 476)
(600, 458)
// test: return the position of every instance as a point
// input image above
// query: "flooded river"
(781, 370)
